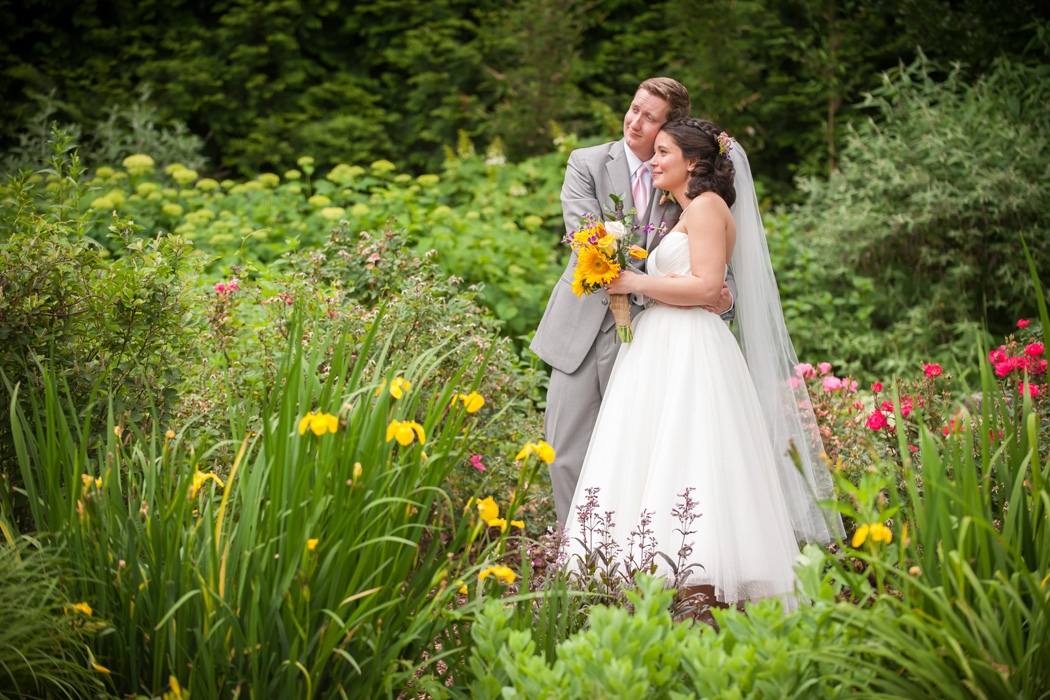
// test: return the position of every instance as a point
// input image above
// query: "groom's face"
(642, 122)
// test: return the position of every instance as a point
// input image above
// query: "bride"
(689, 407)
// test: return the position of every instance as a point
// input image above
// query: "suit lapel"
(616, 169)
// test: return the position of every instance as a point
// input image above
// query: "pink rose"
(852, 385)
(475, 461)
(1004, 368)
(804, 369)
(876, 387)
(220, 287)
(932, 370)
(797, 383)
(1037, 367)
(1034, 350)
(887, 406)
(997, 356)
(233, 286)
(824, 367)
(1022, 323)
(877, 421)
(832, 383)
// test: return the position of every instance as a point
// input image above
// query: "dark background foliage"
(264, 81)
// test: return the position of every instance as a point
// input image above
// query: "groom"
(576, 336)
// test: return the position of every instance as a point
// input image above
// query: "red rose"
(997, 356)
(1034, 350)
(876, 387)
(877, 421)
(932, 370)
(1022, 323)
(1033, 389)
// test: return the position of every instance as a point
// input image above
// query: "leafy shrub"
(120, 323)
(915, 239)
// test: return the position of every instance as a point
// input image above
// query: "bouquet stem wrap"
(621, 309)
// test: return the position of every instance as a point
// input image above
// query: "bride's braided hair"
(698, 138)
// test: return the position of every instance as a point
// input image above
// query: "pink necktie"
(639, 191)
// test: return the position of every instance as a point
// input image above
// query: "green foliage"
(43, 650)
(119, 323)
(641, 651)
(263, 81)
(313, 564)
(493, 224)
(916, 238)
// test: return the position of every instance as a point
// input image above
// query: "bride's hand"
(625, 283)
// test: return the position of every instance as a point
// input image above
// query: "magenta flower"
(932, 370)
(876, 387)
(220, 287)
(1022, 323)
(997, 356)
(1034, 350)
(877, 421)
(475, 461)
(1032, 389)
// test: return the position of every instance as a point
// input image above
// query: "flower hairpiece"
(725, 144)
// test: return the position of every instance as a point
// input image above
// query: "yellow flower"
(311, 543)
(638, 252)
(518, 523)
(170, 435)
(877, 531)
(596, 269)
(319, 423)
(578, 287)
(199, 478)
(357, 471)
(99, 668)
(860, 536)
(501, 523)
(404, 432)
(914, 571)
(398, 387)
(607, 244)
(542, 450)
(881, 533)
(176, 690)
(83, 609)
(472, 402)
(462, 587)
(583, 236)
(487, 509)
(500, 572)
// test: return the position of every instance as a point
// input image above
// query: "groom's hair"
(670, 91)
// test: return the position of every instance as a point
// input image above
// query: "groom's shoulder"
(595, 154)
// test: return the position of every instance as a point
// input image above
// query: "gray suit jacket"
(570, 324)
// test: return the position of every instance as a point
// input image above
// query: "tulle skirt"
(680, 412)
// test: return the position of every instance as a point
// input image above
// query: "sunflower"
(578, 286)
(595, 268)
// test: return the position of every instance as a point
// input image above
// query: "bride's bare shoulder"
(707, 206)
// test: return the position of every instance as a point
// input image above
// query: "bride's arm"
(707, 224)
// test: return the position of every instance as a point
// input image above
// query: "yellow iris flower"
(83, 609)
(542, 450)
(500, 572)
(199, 479)
(487, 509)
(472, 402)
(398, 387)
(318, 423)
(877, 531)
(405, 432)
(311, 543)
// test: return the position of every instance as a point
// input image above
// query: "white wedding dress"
(681, 411)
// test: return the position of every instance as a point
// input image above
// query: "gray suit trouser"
(573, 401)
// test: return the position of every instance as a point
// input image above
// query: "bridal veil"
(771, 360)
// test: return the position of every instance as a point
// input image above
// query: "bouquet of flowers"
(602, 250)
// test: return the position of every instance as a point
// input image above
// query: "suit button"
(605, 301)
